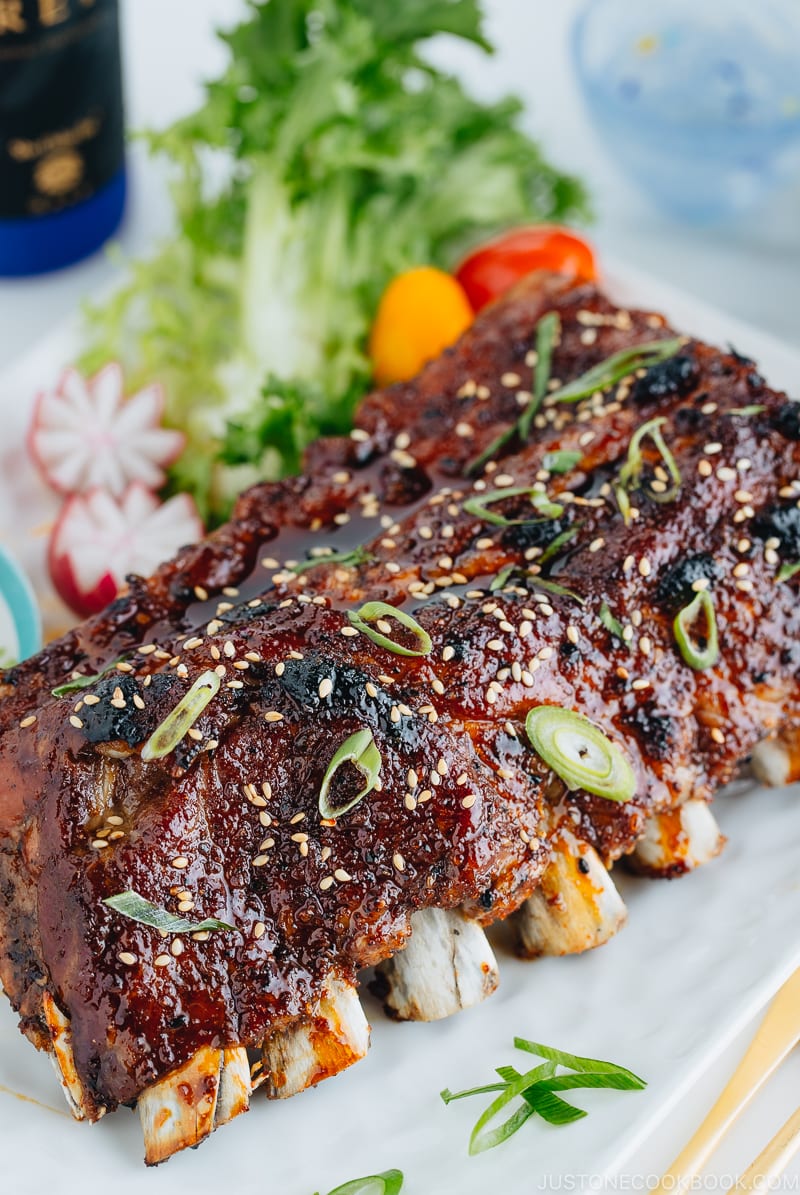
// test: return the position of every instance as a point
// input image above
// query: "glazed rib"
(467, 816)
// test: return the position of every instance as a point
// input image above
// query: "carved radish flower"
(86, 434)
(99, 539)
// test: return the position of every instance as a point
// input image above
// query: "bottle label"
(61, 122)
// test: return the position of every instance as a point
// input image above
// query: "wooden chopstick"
(773, 1160)
(778, 1033)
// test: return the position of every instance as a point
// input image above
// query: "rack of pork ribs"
(467, 825)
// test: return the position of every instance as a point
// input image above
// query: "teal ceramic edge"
(17, 592)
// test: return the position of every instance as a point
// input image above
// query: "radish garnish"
(99, 540)
(86, 434)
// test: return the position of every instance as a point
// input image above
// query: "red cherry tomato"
(493, 268)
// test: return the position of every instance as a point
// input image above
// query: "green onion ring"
(167, 736)
(372, 611)
(390, 1182)
(695, 656)
(631, 471)
(540, 502)
(360, 750)
(580, 753)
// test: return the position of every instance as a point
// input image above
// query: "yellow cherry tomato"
(420, 314)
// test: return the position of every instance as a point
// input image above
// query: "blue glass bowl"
(20, 619)
(699, 103)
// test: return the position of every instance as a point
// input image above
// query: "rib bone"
(179, 1111)
(235, 1086)
(576, 906)
(331, 1038)
(63, 1059)
(447, 965)
(678, 841)
(776, 760)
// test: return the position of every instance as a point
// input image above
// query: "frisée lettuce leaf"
(329, 156)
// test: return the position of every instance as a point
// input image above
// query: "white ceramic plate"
(697, 960)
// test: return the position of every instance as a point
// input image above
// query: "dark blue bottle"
(62, 166)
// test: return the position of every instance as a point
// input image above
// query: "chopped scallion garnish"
(84, 682)
(754, 409)
(699, 651)
(612, 624)
(561, 461)
(555, 545)
(613, 369)
(388, 1183)
(547, 330)
(580, 753)
(360, 751)
(379, 613)
(787, 571)
(176, 724)
(547, 333)
(352, 559)
(545, 509)
(630, 474)
(537, 1088)
(136, 908)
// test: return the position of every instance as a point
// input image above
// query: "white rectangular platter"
(696, 961)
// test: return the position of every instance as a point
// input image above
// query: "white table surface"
(751, 269)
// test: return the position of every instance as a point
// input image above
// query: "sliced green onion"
(561, 461)
(378, 612)
(615, 368)
(631, 472)
(136, 908)
(697, 655)
(547, 332)
(360, 750)
(483, 1138)
(84, 682)
(787, 571)
(388, 1183)
(503, 577)
(352, 559)
(553, 587)
(555, 545)
(167, 736)
(580, 753)
(575, 1062)
(754, 409)
(545, 509)
(612, 624)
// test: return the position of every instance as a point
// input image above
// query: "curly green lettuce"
(328, 157)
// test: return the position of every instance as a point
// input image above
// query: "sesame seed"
(628, 563)
(161, 961)
(399, 861)
(704, 468)
(741, 570)
(744, 586)
(127, 958)
(341, 875)
(299, 838)
(28, 721)
(644, 567)
(200, 593)
(645, 645)
(98, 844)
(327, 883)
(259, 929)
(596, 544)
(185, 906)
(177, 948)
(743, 496)
(180, 863)
(725, 473)
(717, 735)
(260, 860)
(641, 684)
(712, 449)
(192, 643)
(75, 721)
(572, 634)
(468, 801)
(273, 716)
